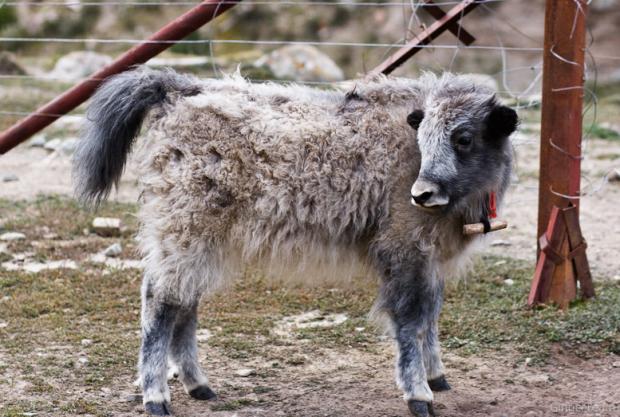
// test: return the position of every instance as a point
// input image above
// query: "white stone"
(79, 64)
(107, 226)
(53, 145)
(301, 63)
(245, 372)
(68, 146)
(113, 251)
(37, 141)
(202, 335)
(86, 342)
(10, 178)
(509, 282)
(12, 236)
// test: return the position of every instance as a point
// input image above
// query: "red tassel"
(492, 205)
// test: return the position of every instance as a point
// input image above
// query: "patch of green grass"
(60, 215)
(485, 313)
(601, 132)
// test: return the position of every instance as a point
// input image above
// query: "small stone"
(68, 146)
(360, 329)
(202, 335)
(3, 324)
(616, 364)
(614, 176)
(10, 178)
(53, 145)
(528, 361)
(616, 278)
(107, 226)
(113, 251)
(12, 236)
(501, 243)
(246, 372)
(37, 141)
(50, 236)
(83, 361)
(86, 342)
(509, 282)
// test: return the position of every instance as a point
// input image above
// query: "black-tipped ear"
(415, 118)
(501, 122)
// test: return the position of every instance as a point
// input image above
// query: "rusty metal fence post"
(560, 156)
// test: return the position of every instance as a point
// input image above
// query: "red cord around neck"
(492, 205)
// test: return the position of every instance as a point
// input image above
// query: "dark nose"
(422, 198)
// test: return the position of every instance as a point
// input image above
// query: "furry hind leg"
(184, 355)
(158, 320)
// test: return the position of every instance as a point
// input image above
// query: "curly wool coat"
(286, 174)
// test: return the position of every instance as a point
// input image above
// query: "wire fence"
(414, 20)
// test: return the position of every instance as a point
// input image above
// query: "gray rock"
(614, 176)
(37, 141)
(245, 372)
(79, 64)
(113, 251)
(53, 145)
(106, 226)
(10, 178)
(12, 236)
(9, 64)
(68, 146)
(301, 63)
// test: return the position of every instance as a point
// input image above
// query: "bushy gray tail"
(113, 121)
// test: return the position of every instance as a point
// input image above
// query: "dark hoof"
(439, 384)
(420, 408)
(157, 409)
(203, 393)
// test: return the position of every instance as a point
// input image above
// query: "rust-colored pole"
(139, 54)
(562, 105)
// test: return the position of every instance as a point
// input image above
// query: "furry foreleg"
(410, 295)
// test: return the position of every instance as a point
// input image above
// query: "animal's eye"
(463, 140)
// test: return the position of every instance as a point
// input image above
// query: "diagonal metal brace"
(446, 22)
(454, 27)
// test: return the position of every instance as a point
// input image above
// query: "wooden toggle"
(478, 228)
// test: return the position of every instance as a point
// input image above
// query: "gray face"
(463, 143)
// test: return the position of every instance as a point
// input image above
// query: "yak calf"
(231, 171)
